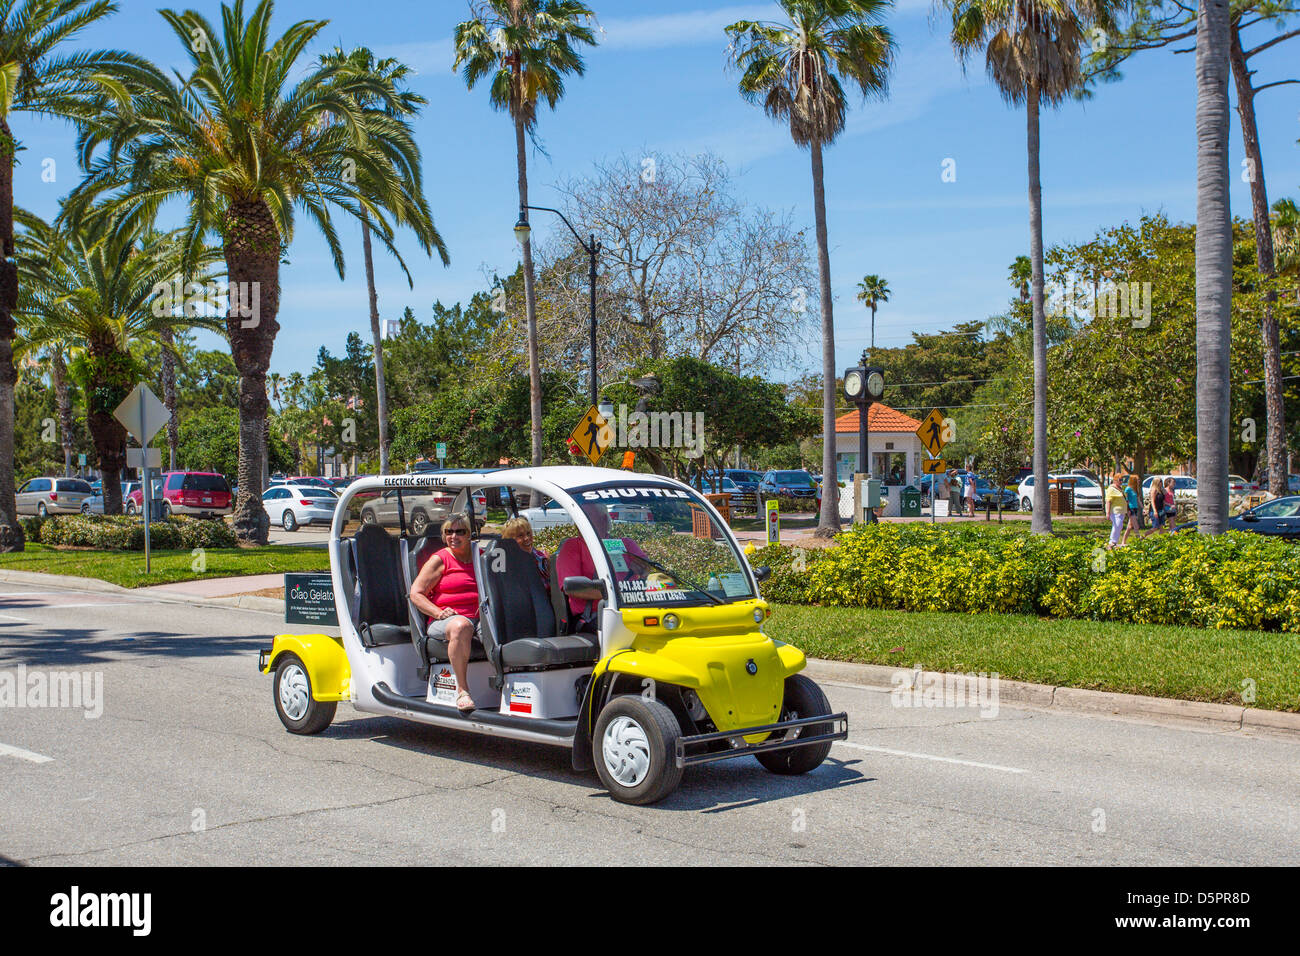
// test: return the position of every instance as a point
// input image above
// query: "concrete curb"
(1077, 700)
(247, 602)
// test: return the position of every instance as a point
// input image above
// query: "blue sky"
(658, 84)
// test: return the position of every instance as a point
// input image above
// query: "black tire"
(803, 698)
(419, 522)
(1026, 505)
(288, 520)
(130, 508)
(85, 509)
(657, 739)
(316, 715)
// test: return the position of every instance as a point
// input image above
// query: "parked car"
(745, 483)
(95, 504)
(295, 505)
(52, 496)
(1238, 485)
(204, 494)
(133, 504)
(1184, 487)
(789, 484)
(422, 511)
(990, 497)
(1088, 494)
(337, 484)
(1278, 518)
(1292, 484)
(307, 480)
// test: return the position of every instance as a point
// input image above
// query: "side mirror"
(762, 573)
(578, 583)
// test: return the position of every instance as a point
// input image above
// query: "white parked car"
(552, 515)
(1184, 487)
(1087, 493)
(1238, 485)
(292, 506)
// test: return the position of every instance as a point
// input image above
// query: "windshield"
(662, 546)
(794, 478)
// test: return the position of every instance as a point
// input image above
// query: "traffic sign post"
(592, 435)
(931, 434)
(773, 516)
(441, 451)
(143, 415)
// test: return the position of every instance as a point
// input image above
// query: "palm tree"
(526, 48)
(873, 291)
(1213, 267)
(1021, 274)
(242, 145)
(99, 286)
(1286, 229)
(1033, 54)
(36, 77)
(394, 74)
(795, 69)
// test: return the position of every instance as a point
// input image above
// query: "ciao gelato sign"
(309, 599)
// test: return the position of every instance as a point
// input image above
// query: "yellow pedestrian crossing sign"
(934, 466)
(592, 436)
(931, 433)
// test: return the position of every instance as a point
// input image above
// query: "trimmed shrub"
(122, 533)
(1233, 580)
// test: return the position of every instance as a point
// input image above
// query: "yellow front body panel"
(324, 658)
(710, 653)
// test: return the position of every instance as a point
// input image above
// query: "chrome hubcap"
(294, 696)
(626, 751)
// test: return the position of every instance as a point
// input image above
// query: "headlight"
(672, 622)
(758, 615)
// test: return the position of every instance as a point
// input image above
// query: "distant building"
(895, 450)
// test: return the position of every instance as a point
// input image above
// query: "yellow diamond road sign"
(593, 435)
(934, 466)
(931, 433)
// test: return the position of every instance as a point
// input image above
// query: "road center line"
(907, 753)
(8, 751)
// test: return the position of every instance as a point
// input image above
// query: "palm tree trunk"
(1042, 517)
(169, 394)
(11, 532)
(1264, 259)
(381, 389)
(828, 522)
(106, 432)
(63, 399)
(1213, 267)
(530, 310)
(873, 327)
(252, 252)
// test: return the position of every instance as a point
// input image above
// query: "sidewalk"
(216, 587)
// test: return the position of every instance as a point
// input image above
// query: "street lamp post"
(592, 248)
(864, 385)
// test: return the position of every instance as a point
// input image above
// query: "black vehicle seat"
(521, 617)
(564, 620)
(381, 604)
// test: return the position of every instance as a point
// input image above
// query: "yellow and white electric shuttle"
(669, 668)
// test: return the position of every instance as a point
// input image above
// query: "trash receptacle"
(911, 502)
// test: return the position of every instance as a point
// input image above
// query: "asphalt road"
(188, 764)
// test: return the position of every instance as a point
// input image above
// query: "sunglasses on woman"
(450, 531)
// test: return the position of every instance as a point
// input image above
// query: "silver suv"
(53, 496)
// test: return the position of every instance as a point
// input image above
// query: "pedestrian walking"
(1133, 503)
(1157, 506)
(954, 492)
(1171, 504)
(970, 492)
(1115, 508)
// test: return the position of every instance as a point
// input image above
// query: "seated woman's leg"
(460, 632)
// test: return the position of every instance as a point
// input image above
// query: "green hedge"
(121, 533)
(1232, 580)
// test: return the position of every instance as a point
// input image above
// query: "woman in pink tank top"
(446, 591)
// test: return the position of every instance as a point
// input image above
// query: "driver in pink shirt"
(574, 560)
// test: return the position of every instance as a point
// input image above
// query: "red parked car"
(204, 494)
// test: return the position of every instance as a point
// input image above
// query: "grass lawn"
(1188, 663)
(126, 568)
